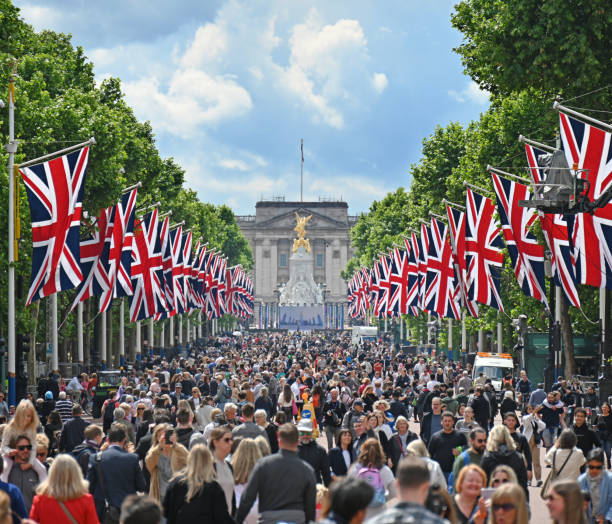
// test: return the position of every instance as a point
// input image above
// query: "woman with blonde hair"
(64, 498)
(165, 458)
(565, 503)
(243, 462)
(501, 449)
(371, 455)
(502, 475)
(5, 509)
(193, 495)
(508, 506)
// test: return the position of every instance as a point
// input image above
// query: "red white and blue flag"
(116, 256)
(526, 255)
(176, 244)
(55, 194)
(440, 295)
(456, 225)
(483, 249)
(147, 270)
(412, 291)
(589, 148)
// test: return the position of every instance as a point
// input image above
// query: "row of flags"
(456, 261)
(122, 255)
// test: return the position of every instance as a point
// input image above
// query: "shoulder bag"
(554, 474)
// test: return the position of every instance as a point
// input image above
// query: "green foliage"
(561, 47)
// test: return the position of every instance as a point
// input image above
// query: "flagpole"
(80, 332)
(582, 116)
(103, 339)
(180, 333)
(61, 152)
(151, 333)
(138, 349)
(11, 148)
(171, 332)
(302, 170)
(122, 332)
(54, 338)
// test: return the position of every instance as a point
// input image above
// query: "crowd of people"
(270, 428)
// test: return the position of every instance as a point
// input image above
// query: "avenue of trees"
(58, 103)
(526, 53)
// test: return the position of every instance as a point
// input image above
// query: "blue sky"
(231, 86)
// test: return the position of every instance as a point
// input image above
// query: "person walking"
(114, 473)
(243, 461)
(166, 458)
(447, 444)
(73, 432)
(63, 497)
(532, 430)
(598, 484)
(220, 444)
(193, 495)
(604, 430)
(283, 483)
(501, 449)
(309, 451)
(565, 459)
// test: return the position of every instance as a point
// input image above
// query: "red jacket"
(47, 510)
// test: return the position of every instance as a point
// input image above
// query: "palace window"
(320, 260)
(283, 260)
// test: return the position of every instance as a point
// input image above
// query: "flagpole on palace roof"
(11, 148)
(302, 170)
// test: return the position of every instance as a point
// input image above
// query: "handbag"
(110, 514)
(294, 408)
(553, 475)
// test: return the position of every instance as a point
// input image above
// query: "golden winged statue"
(300, 229)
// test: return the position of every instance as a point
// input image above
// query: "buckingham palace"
(270, 233)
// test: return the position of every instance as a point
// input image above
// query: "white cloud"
(471, 93)
(40, 17)
(209, 43)
(193, 98)
(233, 163)
(326, 65)
(380, 82)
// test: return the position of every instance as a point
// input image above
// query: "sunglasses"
(507, 506)
(43, 454)
(500, 481)
(23, 448)
(594, 467)
(228, 439)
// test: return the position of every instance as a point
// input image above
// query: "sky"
(231, 86)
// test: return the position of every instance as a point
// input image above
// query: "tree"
(560, 47)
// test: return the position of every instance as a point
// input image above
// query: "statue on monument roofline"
(300, 229)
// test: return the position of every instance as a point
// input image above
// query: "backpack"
(451, 478)
(82, 453)
(372, 476)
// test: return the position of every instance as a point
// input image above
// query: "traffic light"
(25, 344)
(2, 347)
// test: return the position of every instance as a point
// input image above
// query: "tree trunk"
(568, 340)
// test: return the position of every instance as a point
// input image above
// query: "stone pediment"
(287, 220)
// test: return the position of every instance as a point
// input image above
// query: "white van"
(363, 333)
(494, 366)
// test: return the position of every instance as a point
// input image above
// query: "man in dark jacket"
(511, 421)
(397, 407)
(73, 432)
(587, 438)
(432, 421)
(482, 408)
(121, 474)
(310, 452)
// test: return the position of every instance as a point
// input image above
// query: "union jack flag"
(353, 297)
(399, 281)
(483, 246)
(212, 298)
(440, 296)
(166, 250)
(91, 247)
(147, 270)
(412, 290)
(556, 233)
(589, 148)
(526, 255)
(373, 280)
(55, 194)
(116, 256)
(424, 242)
(185, 280)
(456, 226)
(384, 286)
(176, 244)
